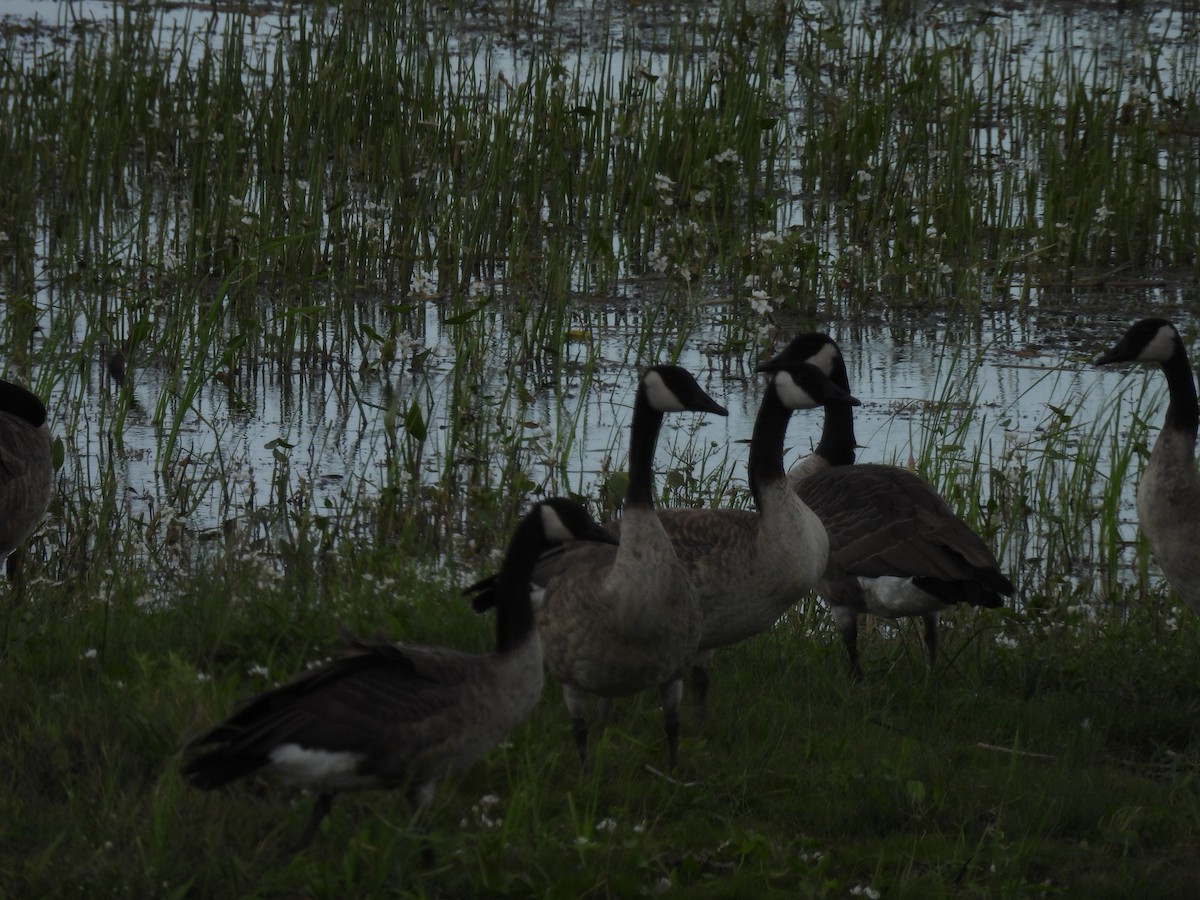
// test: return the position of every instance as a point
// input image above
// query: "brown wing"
(884, 520)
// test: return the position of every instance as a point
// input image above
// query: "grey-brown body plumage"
(1168, 494)
(617, 621)
(750, 567)
(399, 716)
(383, 716)
(896, 548)
(26, 470)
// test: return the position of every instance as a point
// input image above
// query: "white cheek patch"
(553, 526)
(791, 394)
(309, 766)
(660, 396)
(823, 358)
(1162, 347)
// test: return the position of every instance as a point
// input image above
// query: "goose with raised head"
(396, 716)
(1168, 494)
(26, 468)
(750, 566)
(896, 548)
(617, 621)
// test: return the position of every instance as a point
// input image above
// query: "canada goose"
(616, 621)
(1168, 496)
(398, 716)
(896, 548)
(26, 468)
(749, 567)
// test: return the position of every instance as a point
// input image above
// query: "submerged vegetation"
(322, 296)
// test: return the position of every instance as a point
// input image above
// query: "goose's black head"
(815, 348)
(804, 386)
(1146, 341)
(17, 401)
(673, 389)
(562, 520)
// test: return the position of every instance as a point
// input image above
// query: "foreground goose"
(616, 621)
(896, 548)
(1168, 496)
(26, 469)
(398, 716)
(750, 567)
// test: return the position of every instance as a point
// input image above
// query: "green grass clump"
(1063, 761)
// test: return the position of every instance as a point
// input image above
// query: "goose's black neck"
(647, 421)
(766, 442)
(514, 610)
(16, 400)
(1183, 412)
(837, 434)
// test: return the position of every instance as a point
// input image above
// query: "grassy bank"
(1047, 761)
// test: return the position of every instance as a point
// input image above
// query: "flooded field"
(242, 396)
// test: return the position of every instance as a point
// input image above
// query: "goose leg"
(577, 707)
(931, 636)
(320, 810)
(700, 683)
(419, 797)
(602, 710)
(670, 695)
(847, 623)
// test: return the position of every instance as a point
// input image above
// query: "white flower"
(89, 653)
(256, 669)
(760, 302)
(606, 824)
(702, 196)
(423, 283)
(730, 156)
(663, 182)
(1103, 214)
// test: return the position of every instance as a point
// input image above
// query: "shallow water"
(322, 433)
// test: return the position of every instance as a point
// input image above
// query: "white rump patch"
(537, 596)
(791, 394)
(823, 358)
(333, 769)
(660, 396)
(1161, 347)
(890, 597)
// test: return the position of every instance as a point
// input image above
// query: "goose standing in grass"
(1168, 495)
(616, 621)
(750, 567)
(398, 716)
(26, 469)
(896, 548)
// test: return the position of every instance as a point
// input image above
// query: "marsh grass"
(435, 243)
